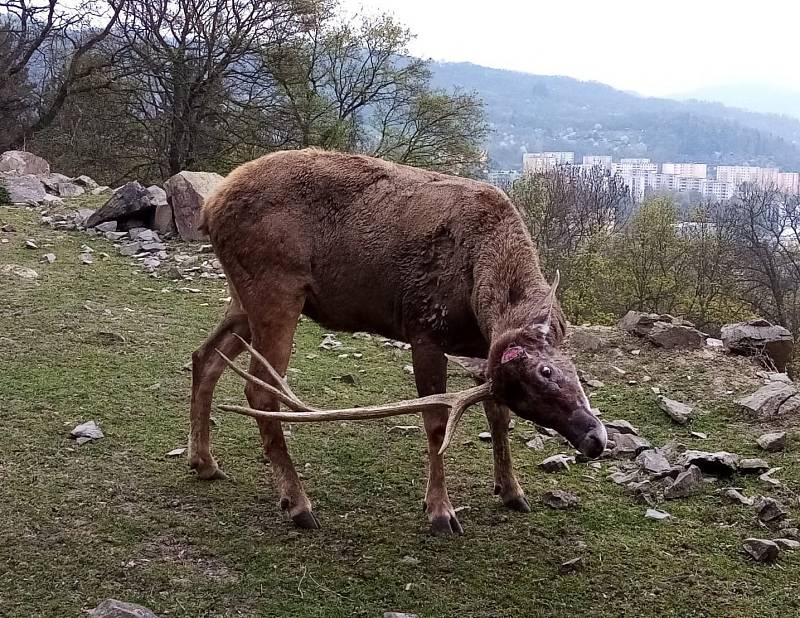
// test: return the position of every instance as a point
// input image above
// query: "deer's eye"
(546, 372)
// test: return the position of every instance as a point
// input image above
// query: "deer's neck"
(509, 285)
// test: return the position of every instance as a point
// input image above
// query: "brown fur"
(357, 243)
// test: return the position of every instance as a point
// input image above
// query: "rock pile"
(663, 331)
(762, 339)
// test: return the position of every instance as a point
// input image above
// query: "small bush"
(4, 197)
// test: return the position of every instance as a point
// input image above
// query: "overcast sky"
(662, 47)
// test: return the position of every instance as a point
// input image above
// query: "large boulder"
(760, 338)
(21, 162)
(776, 399)
(163, 221)
(186, 192)
(662, 331)
(23, 189)
(129, 202)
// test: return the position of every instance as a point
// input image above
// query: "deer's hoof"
(517, 503)
(208, 473)
(306, 520)
(445, 525)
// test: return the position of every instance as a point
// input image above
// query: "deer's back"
(376, 246)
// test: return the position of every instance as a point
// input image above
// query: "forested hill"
(537, 112)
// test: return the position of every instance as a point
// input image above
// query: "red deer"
(360, 244)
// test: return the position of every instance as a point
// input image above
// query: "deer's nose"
(594, 443)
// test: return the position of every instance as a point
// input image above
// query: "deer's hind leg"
(207, 367)
(273, 331)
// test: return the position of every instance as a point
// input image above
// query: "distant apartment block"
(789, 182)
(633, 167)
(503, 178)
(687, 170)
(603, 161)
(740, 174)
(641, 175)
(534, 162)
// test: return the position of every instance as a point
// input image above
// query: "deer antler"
(455, 403)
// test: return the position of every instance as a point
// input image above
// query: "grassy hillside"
(116, 518)
(537, 112)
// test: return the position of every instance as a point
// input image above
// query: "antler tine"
(463, 401)
(290, 401)
(273, 374)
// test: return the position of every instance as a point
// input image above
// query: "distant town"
(642, 176)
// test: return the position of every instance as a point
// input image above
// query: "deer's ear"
(475, 367)
(544, 311)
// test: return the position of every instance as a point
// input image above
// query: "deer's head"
(539, 383)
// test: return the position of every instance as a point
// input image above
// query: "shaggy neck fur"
(509, 288)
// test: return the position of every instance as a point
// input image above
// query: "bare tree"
(196, 84)
(767, 237)
(47, 57)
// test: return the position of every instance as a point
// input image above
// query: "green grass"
(116, 518)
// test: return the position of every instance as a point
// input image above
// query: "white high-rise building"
(687, 170)
(789, 182)
(534, 162)
(633, 167)
(604, 161)
(738, 174)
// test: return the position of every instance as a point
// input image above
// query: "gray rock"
(753, 466)
(688, 483)
(152, 246)
(107, 226)
(176, 452)
(559, 499)
(760, 338)
(628, 445)
(85, 182)
(89, 429)
(69, 189)
(671, 336)
(129, 201)
(48, 258)
(735, 496)
(770, 510)
(186, 193)
(767, 479)
(144, 235)
(485, 436)
(584, 340)
(718, 463)
(677, 411)
(398, 615)
(772, 442)
(21, 162)
(624, 478)
(652, 461)
(25, 189)
(789, 544)
(100, 190)
(657, 515)
(637, 322)
(620, 426)
(594, 383)
(712, 342)
(536, 443)
(772, 400)
(761, 550)
(557, 463)
(570, 566)
(115, 236)
(130, 249)
(111, 608)
(151, 263)
(18, 271)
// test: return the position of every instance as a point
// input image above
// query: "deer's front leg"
(430, 374)
(505, 483)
